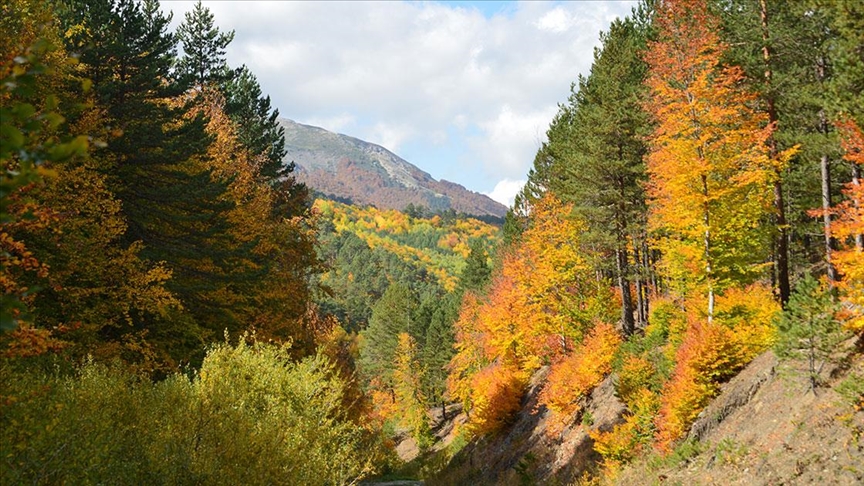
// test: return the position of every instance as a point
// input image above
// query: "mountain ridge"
(347, 168)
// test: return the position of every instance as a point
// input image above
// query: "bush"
(249, 416)
(577, 374)
(496, 397)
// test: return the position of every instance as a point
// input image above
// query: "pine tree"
(391, 315)
(204, 46)
(438, 351)
(808, 330)
(257, 122)
(476, 273)
(171, 201)
(604, 169)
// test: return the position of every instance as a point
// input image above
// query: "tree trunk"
(856, 179)
(627, 324)
(781, 242)
(640, 288)
(706, 217)
(824, 165)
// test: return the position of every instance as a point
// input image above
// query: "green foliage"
(366, 249)
(249, 416)
(204, 46)
(852, 390)
(477, 273)
(808, 330)
(391, 316)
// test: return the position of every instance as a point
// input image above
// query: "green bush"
(249, 416)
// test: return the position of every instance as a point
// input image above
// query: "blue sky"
(463, 90)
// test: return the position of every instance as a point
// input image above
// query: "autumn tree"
(849, 229)
(709, 165)
(408, 376)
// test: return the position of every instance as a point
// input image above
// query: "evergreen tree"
(477, 272)
(257, 122)
(603, 166)
(204, 46)
(391, 315)
(154, 158)
(808, 330)
(438, 350)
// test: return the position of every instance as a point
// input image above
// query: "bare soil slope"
(767, 427)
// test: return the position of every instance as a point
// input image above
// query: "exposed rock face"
(348, 168)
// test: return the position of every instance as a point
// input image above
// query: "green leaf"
(13, 139)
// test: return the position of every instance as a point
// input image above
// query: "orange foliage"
(26, 341)
(710, 174)
(471, 355)
(538, 306)
(708, 356)
(574, 376)
(711, 353)
(495, 397)
(848, 226)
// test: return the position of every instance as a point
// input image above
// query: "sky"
(463, 90)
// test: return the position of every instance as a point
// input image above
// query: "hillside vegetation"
(676, 294)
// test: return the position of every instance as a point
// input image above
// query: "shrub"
(496, 397)
(249, 416)
(577, 374)
(808, 329)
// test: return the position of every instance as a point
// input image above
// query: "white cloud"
(556, 21)
(388, 136)
(420, 74)
(508, 141)
(340, 123)
(505, 191)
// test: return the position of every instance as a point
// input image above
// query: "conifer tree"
(172, 203)
(391, 315)
(204, 46)
(257, 123)
(604, 169)
(476, 273)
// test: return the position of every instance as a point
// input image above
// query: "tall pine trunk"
(781, 242)
(627, 323)
(825, 168)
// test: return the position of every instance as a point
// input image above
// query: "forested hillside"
(706, 166)
(365, 250)
(177, 309)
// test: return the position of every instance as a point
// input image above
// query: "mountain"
(347, 168)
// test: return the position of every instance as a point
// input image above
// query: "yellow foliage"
(496, 396)
(625, 441)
